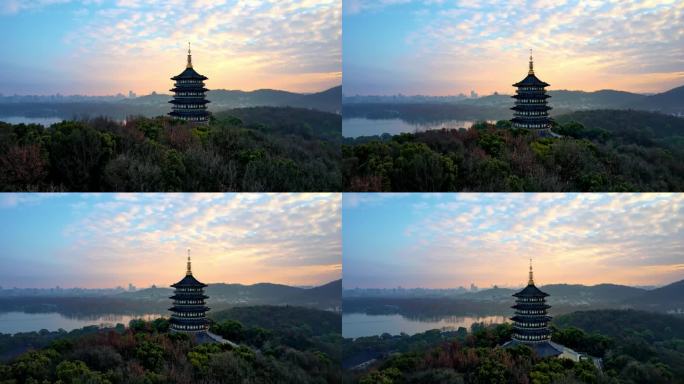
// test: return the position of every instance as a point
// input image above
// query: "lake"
(360, 126)
(45, 121)
(13, 322)
(360, 324)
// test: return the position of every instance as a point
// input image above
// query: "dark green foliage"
(637, 347)
(599, 151)
(147, 353)
(269, 327)
(274, 149)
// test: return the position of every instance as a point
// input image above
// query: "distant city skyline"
(103, 47)
(108, 240)
(451, 240)
(449, 47)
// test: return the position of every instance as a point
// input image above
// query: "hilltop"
(418, 109)
(594, 151)
(156, 104)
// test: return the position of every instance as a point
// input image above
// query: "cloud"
(131, 44)
(573, 238)
(629, 45)
(245, 238)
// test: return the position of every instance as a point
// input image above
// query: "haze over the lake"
(446, 47)
(451, 240)
(98, 47)
(105, 240)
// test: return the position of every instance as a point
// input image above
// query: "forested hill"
(327, 296)
(283, 149)
(634, 347)
(601, 151)
(70, 107)
(497, 106)
(286, 345)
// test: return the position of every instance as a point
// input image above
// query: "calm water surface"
(45, 121)
(360, 324)
(13, 322)
(359, 126)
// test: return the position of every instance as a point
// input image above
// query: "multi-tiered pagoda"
(531, 322)
(189, 310)
(531, 111)
(189, 102)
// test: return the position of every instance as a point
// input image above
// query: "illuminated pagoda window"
(530, 110)
(189, 101)
(531, 322)
(189, 313)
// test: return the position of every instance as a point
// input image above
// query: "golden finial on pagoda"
(531, 281)
(189, 57)
(189, 271)
(531, 72)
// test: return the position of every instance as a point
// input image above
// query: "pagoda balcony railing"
(189, 82)
(530, 325)
(190, 327)
(189, 302)
(186, 290)
(177, 108)
(531, 338)
(189, 96)
(540, 312)
(531, 300)
(531, 114)
(191, 315)
(530, 101)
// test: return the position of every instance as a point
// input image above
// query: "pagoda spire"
(531, 72)
(190, 57)
(531, 281)
(189, 271)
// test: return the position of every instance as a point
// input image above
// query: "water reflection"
(359, 126)
(360, 324)
(13, 322)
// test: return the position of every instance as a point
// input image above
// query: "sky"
(101, 47)
(107, 240)
(451, 240)
(447, 47)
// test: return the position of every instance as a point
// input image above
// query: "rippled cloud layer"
(107, 240)
(106, 46)
(446, 47)
(454, 239)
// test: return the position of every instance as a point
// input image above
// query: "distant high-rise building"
(131, 287)
(189, 313)
(473, 287)
(473, 94)
(531, 110)
(131, 94)
(531, 323)
(189, 102)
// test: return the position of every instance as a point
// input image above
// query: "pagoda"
(189, 313)
(530, 110)
(189, 101)
(531, 322)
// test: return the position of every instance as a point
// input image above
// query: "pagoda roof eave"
(189, 281)
(531, 80)
(531, 291)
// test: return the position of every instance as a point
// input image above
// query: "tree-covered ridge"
(294, 150)
(147, 353)
(611, 151)
(634, 347)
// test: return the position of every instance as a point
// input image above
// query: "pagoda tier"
(530, 323)
(530, 110)
(189, 100)
(189, 313)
